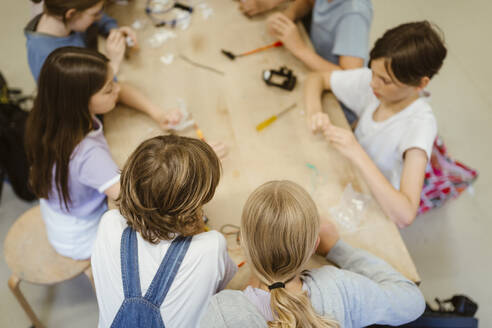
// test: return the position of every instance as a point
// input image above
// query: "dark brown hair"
(164, 185)
(60, 7)
(412, 50)
(60, 118)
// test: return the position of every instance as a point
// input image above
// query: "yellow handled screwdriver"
(272, 119)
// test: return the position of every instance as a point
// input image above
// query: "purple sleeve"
(97, 169)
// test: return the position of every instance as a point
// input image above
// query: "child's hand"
(174, 117)
(219, 148)
(328, 237)
(168, 120)
(344, 141)
(318, 122)
(281, 27)
(255, 7)
(129, 32)
(115, 48)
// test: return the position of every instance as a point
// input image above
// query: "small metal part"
(186, 59)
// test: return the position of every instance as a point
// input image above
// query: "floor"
(446, 244)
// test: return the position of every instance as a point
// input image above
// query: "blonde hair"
(164, 185)
(279, 232)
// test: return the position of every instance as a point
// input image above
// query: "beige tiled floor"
(451, 246)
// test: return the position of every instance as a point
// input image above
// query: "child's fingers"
(279, 21)
(313, 124)
(174, 117)
(129, 32)
(331, 133)
(112, 34)
(119, 37)
(319, 122)
(278, 27)
(219, 148)
(115, 39)
(248, 7)
(284, 19)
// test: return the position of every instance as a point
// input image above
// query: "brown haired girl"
(71, 168)
(164, 185)
(280, 230)
(64, 23)
(396, 129)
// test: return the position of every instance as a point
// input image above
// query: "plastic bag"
(350, 212)
(186, 120)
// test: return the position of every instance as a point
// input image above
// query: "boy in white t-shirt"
(164, 185)
(396, 129)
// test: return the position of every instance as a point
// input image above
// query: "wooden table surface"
(228, 107)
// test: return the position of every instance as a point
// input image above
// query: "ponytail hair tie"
(280, 284)
(276, 285)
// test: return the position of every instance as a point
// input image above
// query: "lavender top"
(91, 172)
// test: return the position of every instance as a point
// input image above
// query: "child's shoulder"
(113, 222)
(363, 7)
(422, 113)
(210, 242)
(362, 75)
(325, 275)
(231, 306)
(91, 141)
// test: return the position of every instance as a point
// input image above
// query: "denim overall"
(138, 311)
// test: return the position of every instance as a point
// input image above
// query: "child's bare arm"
(317, 63)
(115, 49)
(113, 192)
(314, 86)
(132, 97)
(255, 7)
(281, 26)
(298, 9)
(399, 205)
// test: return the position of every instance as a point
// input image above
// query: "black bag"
(456, 312)
(13, 159)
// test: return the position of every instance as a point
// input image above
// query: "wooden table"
(228, 107)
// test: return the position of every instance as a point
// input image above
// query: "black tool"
(282, 78)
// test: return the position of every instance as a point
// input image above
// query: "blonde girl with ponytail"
(280, 231)
(278, 256)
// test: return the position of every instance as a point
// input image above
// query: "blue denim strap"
(129, 264)
(167, 271)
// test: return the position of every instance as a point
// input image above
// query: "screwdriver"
(232, 56)
(272, 119)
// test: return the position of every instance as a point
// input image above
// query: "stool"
(31, 258)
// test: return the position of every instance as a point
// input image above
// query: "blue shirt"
(341, 28)
(40, 45)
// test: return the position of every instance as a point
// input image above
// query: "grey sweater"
(366, 290)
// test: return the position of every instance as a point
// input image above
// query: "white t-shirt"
(385, 141)
(206, 269)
